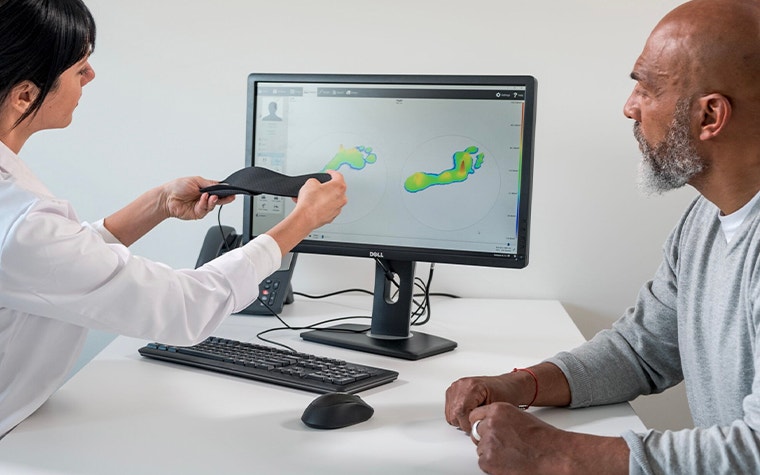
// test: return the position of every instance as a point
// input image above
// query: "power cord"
(422, 308)
(313, 326)
(333, 294)
(425, 308)
(221, 229)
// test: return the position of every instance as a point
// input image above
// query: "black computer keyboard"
(273, 365)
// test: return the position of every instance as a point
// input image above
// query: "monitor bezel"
(401, 253)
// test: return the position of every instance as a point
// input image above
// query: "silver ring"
(474, 432)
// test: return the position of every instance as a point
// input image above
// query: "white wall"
(169, 100)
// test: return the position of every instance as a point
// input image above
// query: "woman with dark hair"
(59, 277)
(39, 51)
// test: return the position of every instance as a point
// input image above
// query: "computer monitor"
(438, 169)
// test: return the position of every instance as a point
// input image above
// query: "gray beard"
(674, 161)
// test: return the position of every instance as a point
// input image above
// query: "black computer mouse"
(336, 410)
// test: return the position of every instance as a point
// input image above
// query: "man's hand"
(549, 388)
(513, 441)
(466, 394)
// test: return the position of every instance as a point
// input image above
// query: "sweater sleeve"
(717, 450)
(730, 444)
(638, 355)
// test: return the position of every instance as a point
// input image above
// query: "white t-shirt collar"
(730, 223)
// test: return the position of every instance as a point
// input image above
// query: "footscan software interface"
(433, 166)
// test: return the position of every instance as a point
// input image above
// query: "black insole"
(258, 180)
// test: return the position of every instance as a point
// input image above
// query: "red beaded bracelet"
(535, 380)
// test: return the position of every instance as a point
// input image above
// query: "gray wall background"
(169, 100)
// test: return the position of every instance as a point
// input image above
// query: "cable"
(422, 308)
(221, 229)
(444, 294)
(388, 274)
(427, 304)
(313, 326)
(332, 294)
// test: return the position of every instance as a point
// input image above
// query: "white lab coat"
(59, 277)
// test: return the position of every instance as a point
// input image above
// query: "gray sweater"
(697, 321)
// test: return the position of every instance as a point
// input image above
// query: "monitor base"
(419, 345)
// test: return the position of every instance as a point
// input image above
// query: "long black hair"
(39, 40)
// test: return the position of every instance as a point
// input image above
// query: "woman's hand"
(182, 198)
(321, 202)
(317, 204)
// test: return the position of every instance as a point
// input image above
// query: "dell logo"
(376, 254)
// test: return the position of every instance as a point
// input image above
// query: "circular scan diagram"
(362, 167)
(451, 182)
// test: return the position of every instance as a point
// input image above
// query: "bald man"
(696, 112)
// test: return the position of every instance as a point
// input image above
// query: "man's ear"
(715, 110)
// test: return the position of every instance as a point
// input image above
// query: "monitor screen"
(438, 169)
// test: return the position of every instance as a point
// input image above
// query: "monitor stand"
(389, 333)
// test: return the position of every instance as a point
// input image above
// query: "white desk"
(123, 414)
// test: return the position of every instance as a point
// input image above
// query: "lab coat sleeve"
(55, 267)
